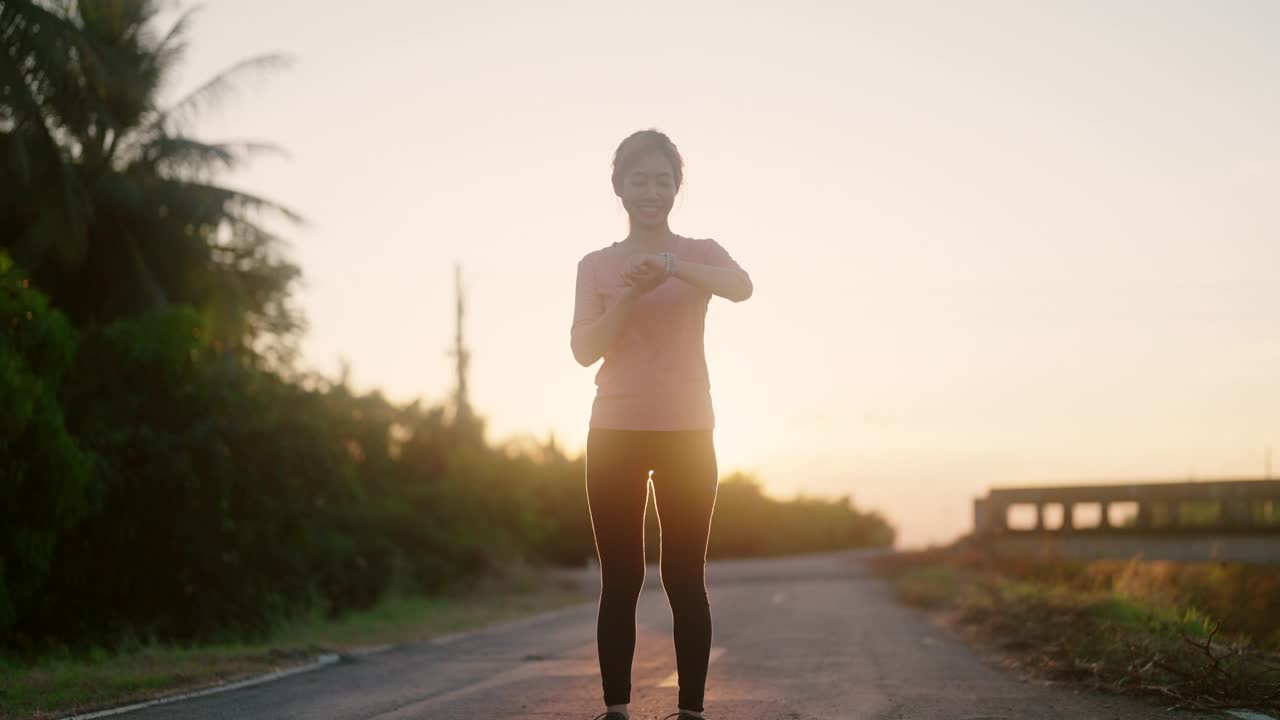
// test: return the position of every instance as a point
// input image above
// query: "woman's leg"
(617, 490)
(685, 482)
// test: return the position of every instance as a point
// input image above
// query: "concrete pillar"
(1068, 521)
(981, 522)
(1143, 520)
(1039, 516)
(1105, 520)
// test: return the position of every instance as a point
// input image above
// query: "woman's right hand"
(641, 281)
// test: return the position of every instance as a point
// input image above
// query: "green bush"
(43, 470)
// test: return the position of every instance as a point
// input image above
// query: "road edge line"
(321, 661)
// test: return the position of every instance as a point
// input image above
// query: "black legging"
(685, 481)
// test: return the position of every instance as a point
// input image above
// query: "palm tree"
(107, 201)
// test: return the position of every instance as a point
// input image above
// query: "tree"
(108, 201)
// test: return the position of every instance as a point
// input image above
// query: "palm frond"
(224, 201)
(212, 91)
(56, 59)
(168, 51)
(174, 37)
(29, 118)
(182, 157)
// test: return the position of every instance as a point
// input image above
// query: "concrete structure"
(1235, 520)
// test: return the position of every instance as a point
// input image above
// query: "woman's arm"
(595, 327)
(727, 282)
(721, 276)
(589, 340)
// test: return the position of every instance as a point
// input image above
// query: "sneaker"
(610, 716)
(683, 716)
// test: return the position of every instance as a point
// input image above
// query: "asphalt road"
(800, 638)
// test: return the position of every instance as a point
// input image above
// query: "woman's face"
(649, 189)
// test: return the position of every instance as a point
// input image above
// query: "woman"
(641, 305)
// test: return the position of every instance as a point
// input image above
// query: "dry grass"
(1204, 635)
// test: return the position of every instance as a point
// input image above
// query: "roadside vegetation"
(1193, 635)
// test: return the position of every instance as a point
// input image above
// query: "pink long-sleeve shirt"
(654, 375)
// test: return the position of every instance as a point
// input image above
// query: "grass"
(1196, 635)
(55, 687)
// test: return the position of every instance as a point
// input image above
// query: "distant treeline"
(165, 470)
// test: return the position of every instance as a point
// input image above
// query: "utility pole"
(462, 416)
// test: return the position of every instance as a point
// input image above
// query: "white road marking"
(567, 667)
(321, 661)
(673, 680)
(1249, 715)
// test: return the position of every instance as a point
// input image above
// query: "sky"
(992, 243)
